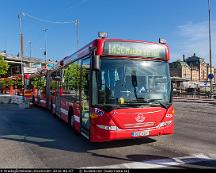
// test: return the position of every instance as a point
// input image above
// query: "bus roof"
(121, 48)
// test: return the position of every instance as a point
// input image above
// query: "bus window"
(70, 82)
(85, 81)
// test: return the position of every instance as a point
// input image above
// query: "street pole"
(210, 49)
(77, 33)
(30, 48)
(21, 51)
(45, 50)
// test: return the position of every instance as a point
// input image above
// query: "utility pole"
(77, 32)
(30, 48)
(45, 48)
(22, 51)
(210, 49)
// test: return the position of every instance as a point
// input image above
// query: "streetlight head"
(102, 34)
(162, 41)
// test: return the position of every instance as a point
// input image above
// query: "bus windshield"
(133, 82)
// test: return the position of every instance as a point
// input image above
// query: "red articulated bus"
(114, 89)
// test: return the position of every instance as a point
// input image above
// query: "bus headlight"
(164, 124)
(109, 128)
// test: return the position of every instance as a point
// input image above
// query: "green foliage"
(54, 85)
(38, 82)
(72, 77)
(18, 83)
(10, 82)
(3, 66)
(7, 83)
(4, 83)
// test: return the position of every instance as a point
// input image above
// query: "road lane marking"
(186, 161)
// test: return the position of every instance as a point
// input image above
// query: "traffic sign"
(211, 76)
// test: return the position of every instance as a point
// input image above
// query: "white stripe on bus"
(77, 118)
(64, 111)
(84, 135)
(43, 101)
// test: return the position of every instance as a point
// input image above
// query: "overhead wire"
(76, 22)
(48, 21)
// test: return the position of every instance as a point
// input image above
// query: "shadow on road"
(36, 126)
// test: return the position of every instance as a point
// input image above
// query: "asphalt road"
(33, 138)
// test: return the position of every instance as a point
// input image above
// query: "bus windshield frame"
(129, 82)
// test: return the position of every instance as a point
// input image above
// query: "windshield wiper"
(107, 107)
(165, 105)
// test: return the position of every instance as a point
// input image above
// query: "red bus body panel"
(126, 122)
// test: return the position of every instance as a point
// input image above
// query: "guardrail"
(15, 99)
(5, 98)
(195, 95)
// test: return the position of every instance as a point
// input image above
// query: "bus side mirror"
(96, 62)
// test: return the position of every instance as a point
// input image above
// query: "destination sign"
(146, 50)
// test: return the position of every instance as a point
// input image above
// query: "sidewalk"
(194, 100)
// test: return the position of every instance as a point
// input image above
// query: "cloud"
(194, 38)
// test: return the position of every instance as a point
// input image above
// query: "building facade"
(191, 72)
(198, 63)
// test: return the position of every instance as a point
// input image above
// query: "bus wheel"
(51, 108)
(71, 118)
(33, 99)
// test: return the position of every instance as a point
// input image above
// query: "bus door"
(85, 97)
(57, 99)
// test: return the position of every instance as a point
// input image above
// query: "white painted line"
(186, 161)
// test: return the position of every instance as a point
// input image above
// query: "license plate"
(142, 133)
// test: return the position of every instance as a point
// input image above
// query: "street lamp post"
(45, 48)
(210, 49)
(30, 48)
(77, 32)
(21, 51)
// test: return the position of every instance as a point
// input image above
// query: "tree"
(38, 82)
(3, 66)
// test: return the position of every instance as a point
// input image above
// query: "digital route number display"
(146, 50)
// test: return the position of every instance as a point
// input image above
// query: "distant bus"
(38, 85)
(114, 89)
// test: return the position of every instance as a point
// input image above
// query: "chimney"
(184, 58)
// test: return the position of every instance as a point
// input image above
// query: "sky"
(183, 23)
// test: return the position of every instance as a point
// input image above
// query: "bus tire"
(51, 108)
(71, 120)
(33, 100)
